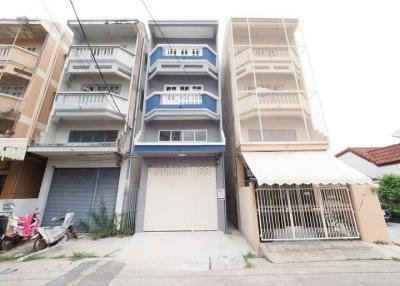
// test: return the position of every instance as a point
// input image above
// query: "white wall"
(59, 133)
(22, 206)
(367, 167)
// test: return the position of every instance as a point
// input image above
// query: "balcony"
(268, 60)
(17, 61)
(88, 106)
(112, 59)
(183, 59)
(273, 103)
(9, 106)
(181, 106)
(177, 148)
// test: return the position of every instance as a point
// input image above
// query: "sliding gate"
(304, 212)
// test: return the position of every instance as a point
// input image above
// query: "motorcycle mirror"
(53, 219)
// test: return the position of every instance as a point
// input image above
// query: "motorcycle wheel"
(39, 244)
(6, 244)
(72, 233)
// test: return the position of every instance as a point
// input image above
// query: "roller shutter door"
(180, 198)
(80, 190)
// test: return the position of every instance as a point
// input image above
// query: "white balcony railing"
(111, 58)
(112, 52)
(22, 58)
(260, 54)
(274, 100)
(181, 98)
(84, 104)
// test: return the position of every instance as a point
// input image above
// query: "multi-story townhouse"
(89, 136)
(32, 54)
(281, 182)
(181, 141)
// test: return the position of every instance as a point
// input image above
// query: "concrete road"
(105, 271)
(199, 258)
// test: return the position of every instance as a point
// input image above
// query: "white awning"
(13, 148)
(301, 167)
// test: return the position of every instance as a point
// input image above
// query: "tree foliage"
(389, 193)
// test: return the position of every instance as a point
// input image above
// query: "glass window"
(18, 90)
(5, 88)
(188, 135)
(76, 136)
(201, 135)
(165, 136)
(176, 136)
(114, 88)
(88, 87)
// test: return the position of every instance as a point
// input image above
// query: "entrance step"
(317, 251)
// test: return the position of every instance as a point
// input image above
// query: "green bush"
(389, 193)
(103, 225)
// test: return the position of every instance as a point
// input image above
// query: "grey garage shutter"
(107, 189)
(77, 189)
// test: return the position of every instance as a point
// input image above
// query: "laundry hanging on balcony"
(13, 148)
(301, 167)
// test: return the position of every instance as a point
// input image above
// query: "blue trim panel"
(178, 148)
(207, 102)
(207, 55)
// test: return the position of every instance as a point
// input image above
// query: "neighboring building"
(91, 130)
(373, 161)
(181, 142)
(281, 183)
(32, 54)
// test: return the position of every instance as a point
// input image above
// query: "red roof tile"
(378, 155)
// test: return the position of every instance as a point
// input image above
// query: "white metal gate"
(305, 212)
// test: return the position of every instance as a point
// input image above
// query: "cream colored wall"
(248, 216)
(274, 123)
(368, 213)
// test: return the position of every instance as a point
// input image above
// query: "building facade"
(181, 141)
(281, 183)
(93, 123)
(32, 54)
(373, 162)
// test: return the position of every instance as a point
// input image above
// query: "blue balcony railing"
(207, 54)
(179, 101)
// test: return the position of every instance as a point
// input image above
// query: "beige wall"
(248, 216)
(247, 211)
(24, 178)
(368, 213)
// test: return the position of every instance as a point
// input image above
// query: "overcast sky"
(354, 48)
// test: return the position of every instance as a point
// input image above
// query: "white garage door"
(181, 198)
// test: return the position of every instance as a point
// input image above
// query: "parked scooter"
(48, 236)
(14, 229)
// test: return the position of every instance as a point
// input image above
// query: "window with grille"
(272, 87)
(114, 88)
(184, 52)
(32, 49)
(182, 135)
(87, 136)
(183, 87)
(12, 89)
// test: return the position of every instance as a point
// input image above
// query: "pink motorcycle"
(16, 229)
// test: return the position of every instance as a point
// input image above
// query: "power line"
(97, 65)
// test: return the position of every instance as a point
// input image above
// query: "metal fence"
(129, 209)
(305, 212)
